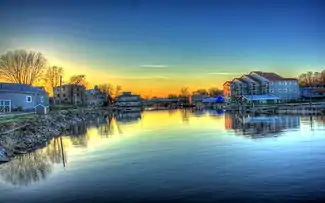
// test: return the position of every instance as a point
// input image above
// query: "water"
(175, 155)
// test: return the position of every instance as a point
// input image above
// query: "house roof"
(272, 76)
(241, 80)
(22, 88)
(250, 78)
(227, 82)
(261, 97)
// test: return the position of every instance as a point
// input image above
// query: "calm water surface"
(175, 155)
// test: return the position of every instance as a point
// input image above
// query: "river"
(175, 155)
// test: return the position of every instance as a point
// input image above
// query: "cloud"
(140, 77)
(154, 66)
(222, 73)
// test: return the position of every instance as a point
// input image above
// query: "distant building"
(313, 92)
(70, 94)
(261, 83)
(94, 97)
(129, 102)
(22, 97)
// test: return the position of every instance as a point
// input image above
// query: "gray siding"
(287, 90)
(20, 100)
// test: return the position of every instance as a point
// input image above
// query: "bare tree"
(52, 78)
(172, 96)
(321, 78)
(214, 91)
(200, 92)
(108, 90)
(22, 67)
(310, 79)
(184, 92)
(79, 80)
(118, 91)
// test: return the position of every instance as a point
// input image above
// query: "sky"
(156, 47)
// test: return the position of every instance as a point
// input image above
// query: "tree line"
(23, 67)
(184, 92)
(312, 79)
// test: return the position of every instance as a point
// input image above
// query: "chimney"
(60, 80)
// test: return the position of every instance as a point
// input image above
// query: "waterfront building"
(285, 88)
(313, 92)
(94, 97)
(129, 102)
(23, 97)
(69, 94)
(261, 83)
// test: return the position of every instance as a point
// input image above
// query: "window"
(77, 94)
(42, 99)
(63, 95)
(29, 99)
(284, 90)
(63, 88)
(58, 95)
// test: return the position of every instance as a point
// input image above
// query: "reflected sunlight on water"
(179, 153)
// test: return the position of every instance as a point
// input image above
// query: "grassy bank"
(18, 118)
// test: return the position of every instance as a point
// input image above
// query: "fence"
(5, 106)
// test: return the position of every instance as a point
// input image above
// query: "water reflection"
(33, 167)
(260, 126)
(78, 133)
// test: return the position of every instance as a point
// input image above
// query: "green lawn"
(62, 107)
(18, 118)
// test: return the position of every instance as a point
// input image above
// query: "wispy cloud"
(140, 77)
(154, 66)
(222, 73)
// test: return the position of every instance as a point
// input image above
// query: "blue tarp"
(213, 99)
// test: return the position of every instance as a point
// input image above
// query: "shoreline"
(21, 137)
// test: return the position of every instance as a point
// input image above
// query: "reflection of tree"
(185, 115)
(107, 128)
(26, 169)
(55, 151)
(80, 140)
(78, 135)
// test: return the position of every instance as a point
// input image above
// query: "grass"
(18, 118)
(62, 107)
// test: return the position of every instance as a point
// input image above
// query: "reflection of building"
(69, 94)
(262, 125)
(128, 117)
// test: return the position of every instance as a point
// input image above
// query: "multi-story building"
(262, 83)
(94, 97)
(285, 88)
(128, 102)
(69, 94)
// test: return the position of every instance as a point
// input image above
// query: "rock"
(3, 155)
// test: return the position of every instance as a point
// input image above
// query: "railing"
(5, 106)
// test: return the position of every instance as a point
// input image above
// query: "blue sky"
(179, 40)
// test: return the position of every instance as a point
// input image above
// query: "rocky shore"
(23, 137)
